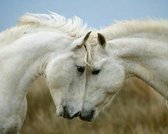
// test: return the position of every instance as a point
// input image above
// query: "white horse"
(41, 44)
(127, 49)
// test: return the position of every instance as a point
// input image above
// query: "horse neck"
(144, 57)
(10, 35)
(22, 62)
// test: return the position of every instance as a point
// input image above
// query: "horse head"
(105, 77)
(66, 78)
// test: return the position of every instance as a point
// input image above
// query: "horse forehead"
(80, 53)
(80, 56)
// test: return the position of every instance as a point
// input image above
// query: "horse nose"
(69, 113)
(87, 115)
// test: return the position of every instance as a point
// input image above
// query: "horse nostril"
(68, 113)
(87, 115)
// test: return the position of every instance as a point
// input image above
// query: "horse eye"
(80, 69)
(95, 72)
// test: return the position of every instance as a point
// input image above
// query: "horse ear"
(101, 40)
(84, 39)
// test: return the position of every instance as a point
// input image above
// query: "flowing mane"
(30, 23)
(126, 28)
(73, 26)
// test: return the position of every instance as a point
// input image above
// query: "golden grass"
(137, 109)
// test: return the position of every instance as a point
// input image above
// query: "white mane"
(30, 23)
(126, 28)
(73, 26)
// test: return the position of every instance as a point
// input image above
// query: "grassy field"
(137, 109)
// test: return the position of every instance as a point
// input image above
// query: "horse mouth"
(87, 116)
(68, 116)
(83, 118)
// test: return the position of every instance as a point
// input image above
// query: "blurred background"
(137, 109)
